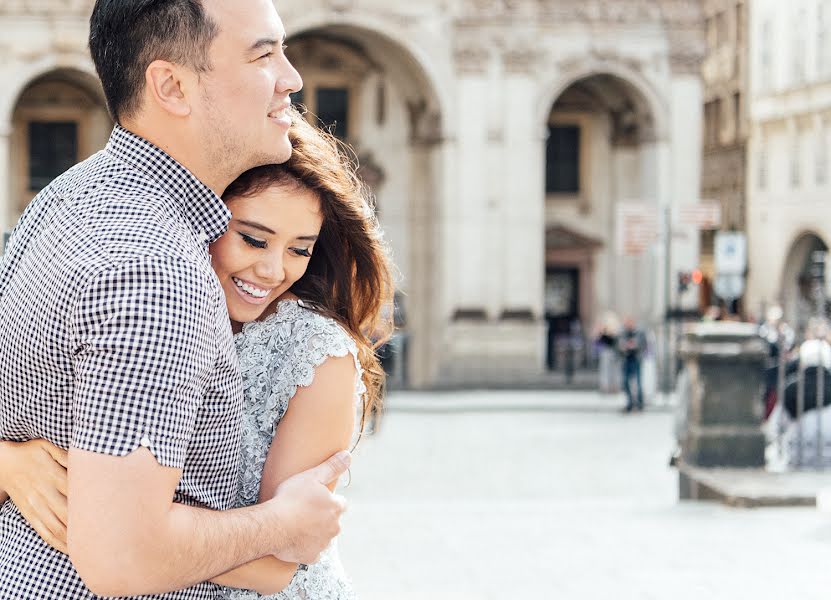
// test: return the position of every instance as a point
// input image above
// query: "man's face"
(243, 99)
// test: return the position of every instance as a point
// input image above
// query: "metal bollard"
(780, 393)
(800, 408)
(818, 458)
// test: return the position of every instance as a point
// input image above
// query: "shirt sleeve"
(145, 345)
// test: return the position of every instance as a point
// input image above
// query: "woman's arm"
(318, 423)
(33, 475)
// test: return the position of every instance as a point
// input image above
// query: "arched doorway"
(370, 91)
(798, 297)
(58, 119)
(600, 152)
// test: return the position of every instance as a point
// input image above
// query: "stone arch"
(362, 55)
(609, 124)
(390, 39)
(77, 67)
(62, 95)
(641, 88)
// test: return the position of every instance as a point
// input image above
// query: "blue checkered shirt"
(115, 335)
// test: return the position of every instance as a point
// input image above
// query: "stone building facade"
(788, 170)
(499, 137)
(725, 78)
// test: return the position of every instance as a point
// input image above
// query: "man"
(117, 343)
(632, 344)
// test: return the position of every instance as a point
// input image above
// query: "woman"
(305, 274)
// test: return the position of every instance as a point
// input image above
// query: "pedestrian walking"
(631, 345)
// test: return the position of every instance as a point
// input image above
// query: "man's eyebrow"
(262, 42)
(253, 225)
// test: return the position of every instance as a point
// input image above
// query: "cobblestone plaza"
(566, 500)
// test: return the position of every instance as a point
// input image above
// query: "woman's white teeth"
(250, 289)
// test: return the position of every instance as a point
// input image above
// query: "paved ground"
(562, 498)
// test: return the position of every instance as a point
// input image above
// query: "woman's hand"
(33, 474)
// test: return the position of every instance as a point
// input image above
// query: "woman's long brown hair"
(349, 277)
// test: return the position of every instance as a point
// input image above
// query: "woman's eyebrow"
(256, 226)
(307, 238)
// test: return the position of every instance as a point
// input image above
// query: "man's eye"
(251, 241)
(267, 54)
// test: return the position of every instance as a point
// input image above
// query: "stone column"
(423, 303)
(725, 363)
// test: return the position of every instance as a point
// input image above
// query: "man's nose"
(288, 79)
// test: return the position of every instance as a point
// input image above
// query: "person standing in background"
(631, 344)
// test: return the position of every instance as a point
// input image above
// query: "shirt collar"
(204, 210)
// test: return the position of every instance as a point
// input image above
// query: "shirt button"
(145, 441)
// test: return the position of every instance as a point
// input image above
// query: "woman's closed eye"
(305, 252)
(254, 242)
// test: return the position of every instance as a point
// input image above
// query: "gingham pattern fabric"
(115, 334)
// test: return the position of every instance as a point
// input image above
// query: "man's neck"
(192, 158)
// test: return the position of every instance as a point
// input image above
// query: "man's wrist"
(275, 526)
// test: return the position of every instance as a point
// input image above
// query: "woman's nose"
(270, 271)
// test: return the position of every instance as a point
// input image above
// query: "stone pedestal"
(725, 363)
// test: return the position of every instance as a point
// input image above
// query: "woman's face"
(266, 249)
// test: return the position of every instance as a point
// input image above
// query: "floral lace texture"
(278, 355)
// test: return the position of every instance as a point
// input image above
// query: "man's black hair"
(125, 36)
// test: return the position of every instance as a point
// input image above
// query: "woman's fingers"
(57, 531)
(57, 505)
(37, 511)
(58, 478)
(60, 455)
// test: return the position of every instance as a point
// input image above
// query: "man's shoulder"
(126, 214)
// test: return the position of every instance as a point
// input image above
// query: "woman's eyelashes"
(262, 245)
(305, 252)
(254, 242)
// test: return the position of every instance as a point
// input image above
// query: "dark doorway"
(562, 311)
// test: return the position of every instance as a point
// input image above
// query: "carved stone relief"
(471, 57)
(425, 123)
(47, 7)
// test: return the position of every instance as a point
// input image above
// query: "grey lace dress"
(277, 355)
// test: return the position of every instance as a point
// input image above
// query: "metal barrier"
(802, 417)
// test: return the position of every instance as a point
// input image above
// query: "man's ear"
(166, 87)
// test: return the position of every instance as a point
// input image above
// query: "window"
(798, 47)
(739, 24)
(712, 123)
(762, 166)
(822, 54)
(796, 160)
(53, 148)
(721, 29)
(298, 98)
(822, 155)
(562, 160)
(766, 58)
(737, 115)
(711, 32)
(333, 110)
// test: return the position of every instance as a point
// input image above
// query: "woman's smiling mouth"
(250, 292)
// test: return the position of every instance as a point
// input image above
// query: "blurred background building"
(788, 180)
(502, 139)
(725, 77)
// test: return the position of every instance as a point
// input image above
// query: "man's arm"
(127, 537)
(145, 343)
(320, 420)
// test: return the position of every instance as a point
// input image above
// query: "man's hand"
(33, 474)
(309, 512)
